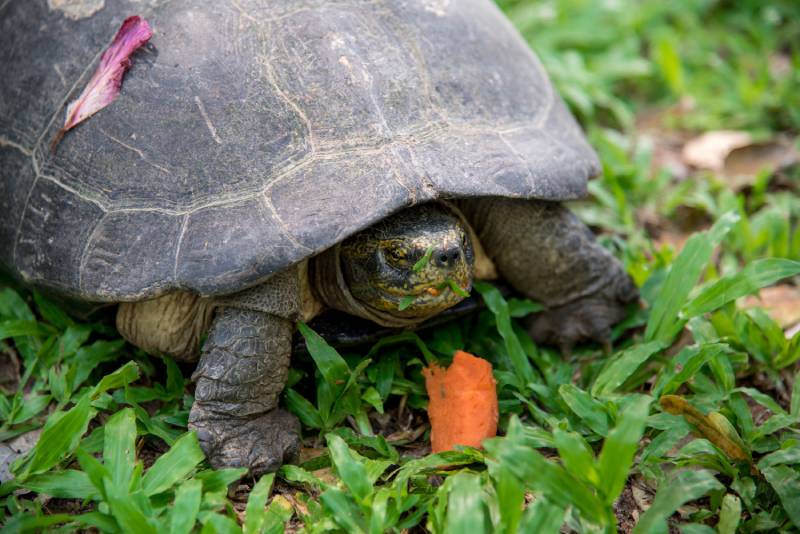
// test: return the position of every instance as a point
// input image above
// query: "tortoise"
(268, 159)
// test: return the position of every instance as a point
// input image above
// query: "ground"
(691, 424)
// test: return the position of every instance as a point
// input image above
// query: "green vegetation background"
(690, 425)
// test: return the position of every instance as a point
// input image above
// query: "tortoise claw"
(262, 444)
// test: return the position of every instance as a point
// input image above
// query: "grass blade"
(119, 446)
(256, 513)
(174, 465)
(620, 446)
(786, 483)
(466, 510)
(663, 324)
(183, 514)
(623, 366)
(754, 276)
(352, 472)
(686, 486)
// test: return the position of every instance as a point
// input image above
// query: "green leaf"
(786, 483)
(60, 436)
(576, 455)
(344, 511)
(302, 408)
(664, 323)
(219, 524)
(542, 517)
(620, 446)
(729, 515)
(686, 486)
(330, 364)
(499, 308)
(126, 510)
(561, 488)
(119, 446)
(184, 510)
(67, 484)
(352, 472)
(754, 276)
(423, 261)
(623, 366)
(591, 412)
(256, 513)
(466, 509)
(19, 327)
(174, 465)
(406, 301)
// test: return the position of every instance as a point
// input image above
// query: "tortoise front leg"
(545, 252)
(242, 370)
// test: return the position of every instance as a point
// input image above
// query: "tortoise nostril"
(447, 258)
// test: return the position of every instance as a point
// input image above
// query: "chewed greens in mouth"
(414, 264)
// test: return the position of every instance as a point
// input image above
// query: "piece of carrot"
(462, 405)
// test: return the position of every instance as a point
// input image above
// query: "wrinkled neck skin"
(401, 270)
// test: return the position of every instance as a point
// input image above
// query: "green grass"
(697, 408)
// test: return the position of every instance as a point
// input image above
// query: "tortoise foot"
(262, 444)
(589, 318)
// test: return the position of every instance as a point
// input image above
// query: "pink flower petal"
(106, 81)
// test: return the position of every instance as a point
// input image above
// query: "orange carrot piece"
(462, 404)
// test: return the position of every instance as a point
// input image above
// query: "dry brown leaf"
(742, 165)
(782, 303)
(709, 150)
(715, 427)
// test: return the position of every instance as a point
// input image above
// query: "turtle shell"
(251, 134)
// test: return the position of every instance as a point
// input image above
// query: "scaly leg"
(242, 370)
(549, 255)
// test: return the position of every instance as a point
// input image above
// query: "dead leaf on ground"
(715, 427)
(782, 303)
(709, 150)
(737, 158)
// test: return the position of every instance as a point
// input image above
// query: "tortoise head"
(414, 264)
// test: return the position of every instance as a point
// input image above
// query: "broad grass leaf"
(119, 446)
(664, 323)
(623, 366)
(302, 408)
(686, 486)
(619, 447)
(576, 455)
(542, 517)
(499, 308)
(279, 511)
(754, 276)
(61, 434)
(185, 507)
(67, 484)
(786, 483)
(538, 473)
(592, 413)
(714, 427)
(331, 365)
(218, 524)
(466, 509)
(689, 361)
(350, 470)
(126, 510)
(729, 514)
(256, 512)
(510, 496)
(344, 511)
(174, 465)
(52, 313)
(21, 327)
(21, 523)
